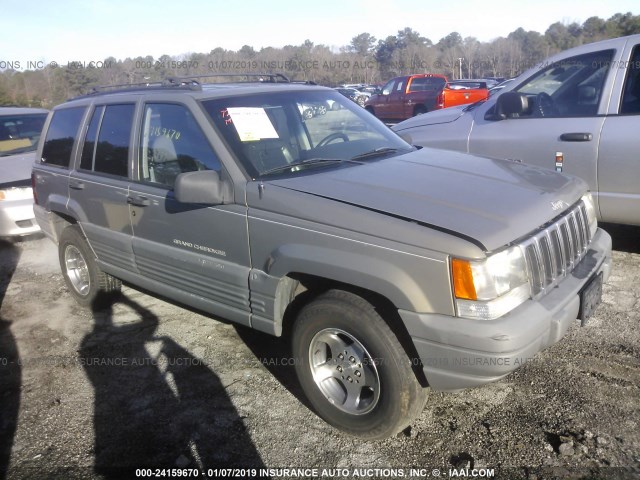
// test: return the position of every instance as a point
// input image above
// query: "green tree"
(362, 44)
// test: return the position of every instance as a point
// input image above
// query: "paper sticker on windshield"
(252, 123)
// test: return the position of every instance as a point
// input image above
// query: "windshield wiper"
(302, 164)
(376, 152)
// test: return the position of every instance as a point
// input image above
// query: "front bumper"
(459, 353)
(17, 218)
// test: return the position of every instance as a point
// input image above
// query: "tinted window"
(569, 87)
(421, 84)
(112, 151)
(61, 135)
(631, 95)
(172, 143)
(20, 133)
(89, 149)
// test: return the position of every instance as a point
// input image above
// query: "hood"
(489, 202)
(15, 168)
(445, 115)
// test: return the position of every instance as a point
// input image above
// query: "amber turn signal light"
(463, 285)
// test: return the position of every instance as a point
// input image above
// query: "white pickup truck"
(578, 112)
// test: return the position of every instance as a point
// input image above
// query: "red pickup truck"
(404, 97)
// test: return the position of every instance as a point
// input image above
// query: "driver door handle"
(576, 137)
(138, 200)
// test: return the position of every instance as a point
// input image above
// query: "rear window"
(20, 133)
(424, 84)
(62, 132)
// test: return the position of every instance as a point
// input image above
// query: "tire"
(89, 285)
(307, 113)
(322, 110)
(338, 341)
(361, 100)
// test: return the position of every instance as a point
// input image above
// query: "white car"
(20, 130)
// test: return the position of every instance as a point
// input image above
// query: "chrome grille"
(552, 253)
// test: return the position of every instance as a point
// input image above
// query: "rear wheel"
(89, 285)
(353, 369)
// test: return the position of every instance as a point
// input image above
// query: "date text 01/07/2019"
(315, 473)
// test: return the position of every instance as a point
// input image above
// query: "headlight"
(490, 288)
(20, 193)
(590, 206)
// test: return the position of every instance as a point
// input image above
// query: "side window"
(61, 135)
(172, 143)
(112, 149)
(418, 84)
(386, 90)
(630, 103)
(568, 88)
(89, 148)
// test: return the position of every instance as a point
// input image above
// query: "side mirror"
(202, 186)
(510, 104)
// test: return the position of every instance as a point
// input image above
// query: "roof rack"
(190, 82)
(262, 77)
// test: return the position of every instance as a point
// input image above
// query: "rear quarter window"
(61, 135)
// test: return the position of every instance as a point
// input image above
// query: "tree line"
(365, 60)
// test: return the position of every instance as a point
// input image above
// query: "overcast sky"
(91, 30)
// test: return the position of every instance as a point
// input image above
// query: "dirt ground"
(146, 383)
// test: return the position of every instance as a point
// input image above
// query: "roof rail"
(188, 83)
(261, 77)
(136, 87)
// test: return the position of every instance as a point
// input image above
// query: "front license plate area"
(590, 298)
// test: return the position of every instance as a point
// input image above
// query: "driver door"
(564, 120)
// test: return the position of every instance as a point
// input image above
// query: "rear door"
(196, 249)
(567, 100)
(619, 158)
(98, 188)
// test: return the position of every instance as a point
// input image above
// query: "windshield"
(20, 133)
(270, 131)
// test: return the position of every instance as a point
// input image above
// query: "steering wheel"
(330, 138)
(545, 105)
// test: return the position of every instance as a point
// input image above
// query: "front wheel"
(87, 283)
(353, 369)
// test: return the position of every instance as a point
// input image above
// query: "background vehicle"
(378, 258)
(404, 97)
(20, 130)
(353, 94)
(577, 112)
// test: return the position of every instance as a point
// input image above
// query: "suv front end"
(515, 302)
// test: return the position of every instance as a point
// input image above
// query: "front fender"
(377, 274)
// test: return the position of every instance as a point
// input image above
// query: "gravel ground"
(148, 383)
